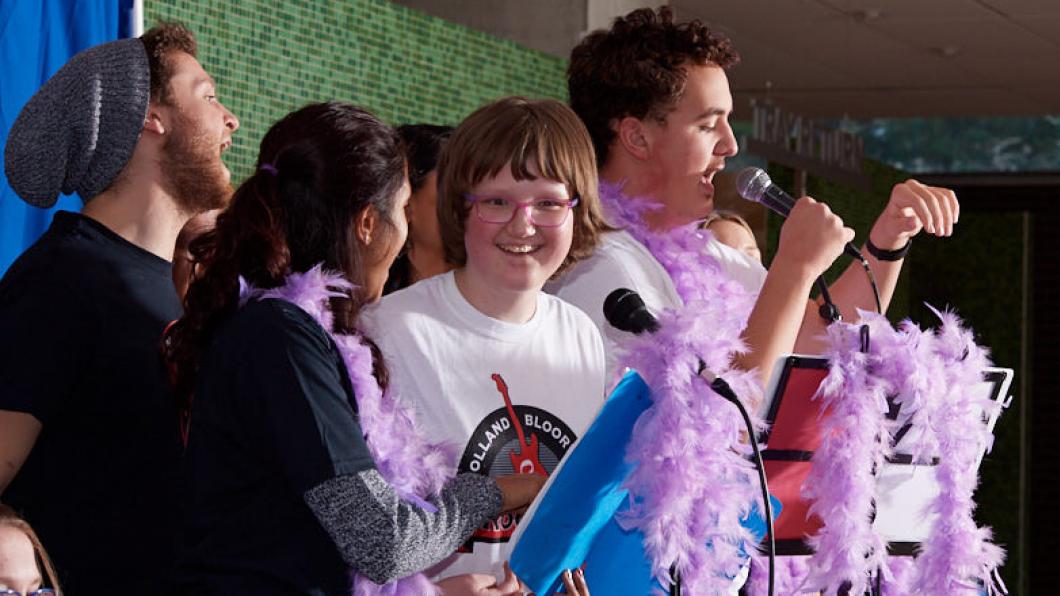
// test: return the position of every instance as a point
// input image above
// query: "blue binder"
(583, 498)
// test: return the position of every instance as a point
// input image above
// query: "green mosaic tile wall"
(271, 57)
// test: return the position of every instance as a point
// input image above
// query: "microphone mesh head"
(619, 305)
(751, 183)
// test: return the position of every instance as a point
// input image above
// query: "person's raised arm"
(912, 207)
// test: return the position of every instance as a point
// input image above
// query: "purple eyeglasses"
(545, 213)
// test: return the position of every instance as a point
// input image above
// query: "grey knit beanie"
(79, 130)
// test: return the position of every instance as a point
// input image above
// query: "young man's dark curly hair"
(638, 68)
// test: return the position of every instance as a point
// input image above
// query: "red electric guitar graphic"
(500, 439)
(525, 458)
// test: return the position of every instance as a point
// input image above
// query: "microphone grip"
(781, 203)
(778, 201)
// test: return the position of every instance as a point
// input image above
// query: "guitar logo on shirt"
(524, 457)
(513, 439)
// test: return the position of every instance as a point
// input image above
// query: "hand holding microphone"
(813, 237)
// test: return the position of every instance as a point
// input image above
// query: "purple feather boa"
(416, 468)
(932, 374)
(958, 553)
(853, 443)
(693, 481)
(790, 575)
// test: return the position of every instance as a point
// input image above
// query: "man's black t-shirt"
(81, 315)
(273, 416)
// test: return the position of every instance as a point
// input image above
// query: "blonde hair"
(515, 132)
(9, 518)
(722, 215)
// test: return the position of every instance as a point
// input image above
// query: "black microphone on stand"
(625, 310)
(754, 185)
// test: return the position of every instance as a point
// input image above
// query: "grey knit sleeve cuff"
(385, 538)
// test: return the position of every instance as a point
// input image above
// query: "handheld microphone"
(754, 185)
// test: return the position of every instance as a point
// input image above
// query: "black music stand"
(906, 486)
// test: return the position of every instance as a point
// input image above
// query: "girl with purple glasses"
(511, 375)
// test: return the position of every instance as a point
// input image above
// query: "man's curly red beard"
(191, 162)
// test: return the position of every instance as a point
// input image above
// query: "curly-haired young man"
(90, 446)
(655, 98)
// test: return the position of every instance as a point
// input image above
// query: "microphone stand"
(828, 311)
(625, 310)
(719, 386)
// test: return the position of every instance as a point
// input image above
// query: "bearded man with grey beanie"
(89, 446)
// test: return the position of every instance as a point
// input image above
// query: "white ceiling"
(830, 58)
(892, 58)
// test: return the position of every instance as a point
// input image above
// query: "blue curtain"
(36, 38)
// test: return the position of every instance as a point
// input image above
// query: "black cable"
(828, 311)
(872, 282)
(722, 388)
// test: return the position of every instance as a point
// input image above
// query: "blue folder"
(583, 498)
